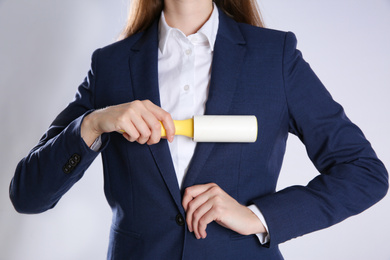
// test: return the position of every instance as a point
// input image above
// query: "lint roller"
(207, 128)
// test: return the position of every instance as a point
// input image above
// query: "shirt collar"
(209, 29)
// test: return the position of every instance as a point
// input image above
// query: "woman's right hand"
(140, 121)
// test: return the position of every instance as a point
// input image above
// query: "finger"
(191, 192)
(199, 222)
(169, 126)
(153, 125)
(142, 128)
(207, 217)
(212, 206)
(193, 198)
(130, 132)
(193, 207)
(187, 197)
(164, 117)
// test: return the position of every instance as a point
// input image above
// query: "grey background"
(45, 49)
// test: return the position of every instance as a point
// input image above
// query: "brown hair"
(144, 12)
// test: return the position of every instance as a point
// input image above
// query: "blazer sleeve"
(352, 177)
(60, 158)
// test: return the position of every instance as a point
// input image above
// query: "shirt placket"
(187, 99)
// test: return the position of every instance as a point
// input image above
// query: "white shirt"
(184, 71)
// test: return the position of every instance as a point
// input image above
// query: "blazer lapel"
(228, 56)
(143, 64)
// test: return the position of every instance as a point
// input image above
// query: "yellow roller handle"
(183, 127)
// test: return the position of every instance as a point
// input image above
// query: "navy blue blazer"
(255, 71)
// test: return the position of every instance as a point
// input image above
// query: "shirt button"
(186, 87)
(188, 52)
(179, 220)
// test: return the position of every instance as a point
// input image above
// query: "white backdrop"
(45, 49)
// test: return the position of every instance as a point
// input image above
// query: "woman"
(198, 58)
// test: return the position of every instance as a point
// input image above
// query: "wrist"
(88, 131)
(254, 225)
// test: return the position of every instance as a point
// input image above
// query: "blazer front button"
(179, 220)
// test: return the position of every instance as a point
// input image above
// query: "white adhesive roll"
(225, 129)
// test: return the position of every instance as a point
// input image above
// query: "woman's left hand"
(208, 202)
